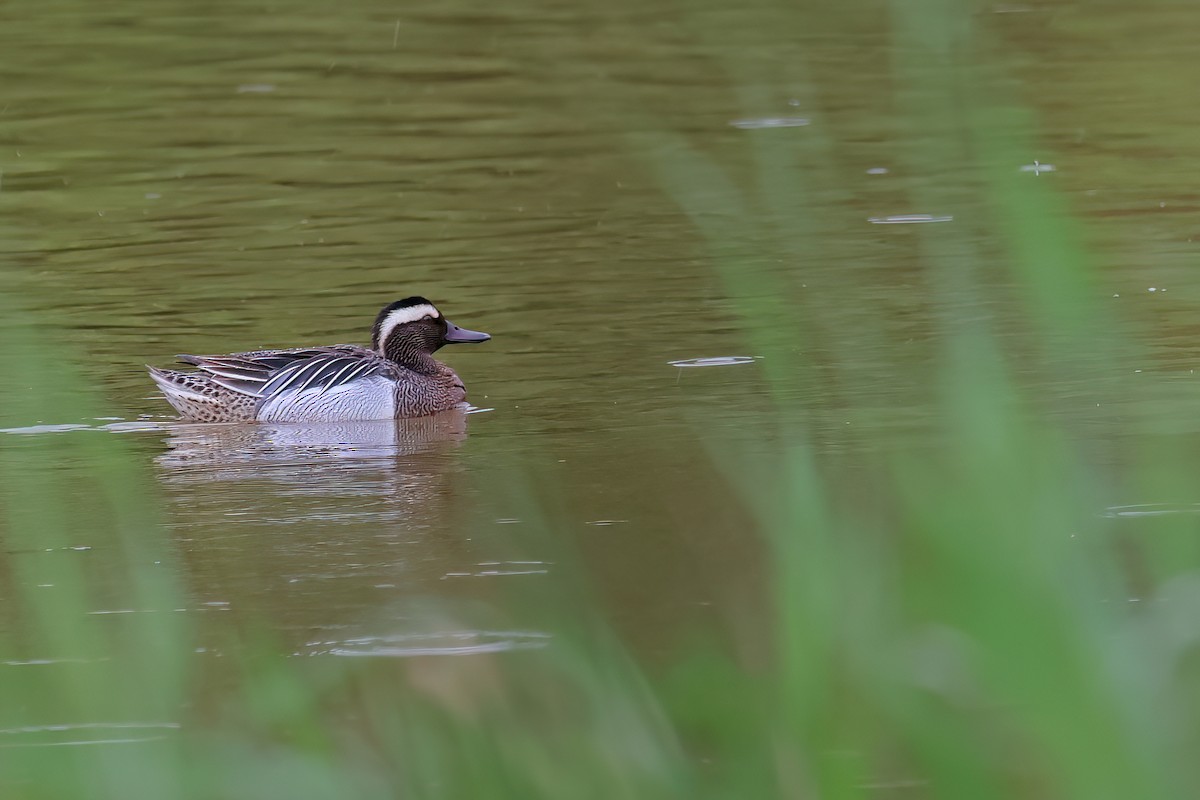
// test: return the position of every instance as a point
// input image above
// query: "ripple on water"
(35, 429)
(770, 122)
(85, 733)
(714, 361)
(121, 426)
(451, 643)
(908, 219)
(1152, 510)
(496, 568)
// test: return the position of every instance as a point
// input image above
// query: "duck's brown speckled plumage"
(399, 377)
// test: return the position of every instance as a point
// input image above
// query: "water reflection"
(203, 452)
(320, 526)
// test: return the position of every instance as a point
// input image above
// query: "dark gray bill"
(457, 335)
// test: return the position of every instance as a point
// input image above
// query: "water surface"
(227, 176)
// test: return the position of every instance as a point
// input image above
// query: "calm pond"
(619, 193)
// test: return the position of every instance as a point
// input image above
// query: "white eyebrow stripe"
(403, 316)
(411, 314)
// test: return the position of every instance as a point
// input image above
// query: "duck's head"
(413, 327)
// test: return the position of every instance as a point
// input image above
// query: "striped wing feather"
(321, 373)
(266, 372)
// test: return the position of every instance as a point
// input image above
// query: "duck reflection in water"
(203, 452)
(321, 527)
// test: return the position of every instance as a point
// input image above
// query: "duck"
(397, 377)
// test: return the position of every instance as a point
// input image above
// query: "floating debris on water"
(878, 171)
(908, 219)
(715, 361)
(256, 88)
(770, 122)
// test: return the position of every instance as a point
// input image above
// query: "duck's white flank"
(403, 316)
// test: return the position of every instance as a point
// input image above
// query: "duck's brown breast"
(418, 395)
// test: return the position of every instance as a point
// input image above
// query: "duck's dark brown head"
(413, 327)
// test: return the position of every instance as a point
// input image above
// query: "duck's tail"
(198, 399)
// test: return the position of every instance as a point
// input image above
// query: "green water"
(600, 187)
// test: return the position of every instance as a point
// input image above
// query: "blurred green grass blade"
(79, 535)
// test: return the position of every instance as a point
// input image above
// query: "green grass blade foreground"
(953, 619)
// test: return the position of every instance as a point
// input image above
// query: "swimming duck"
(397, 377)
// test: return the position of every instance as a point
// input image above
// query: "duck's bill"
(457, 335)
